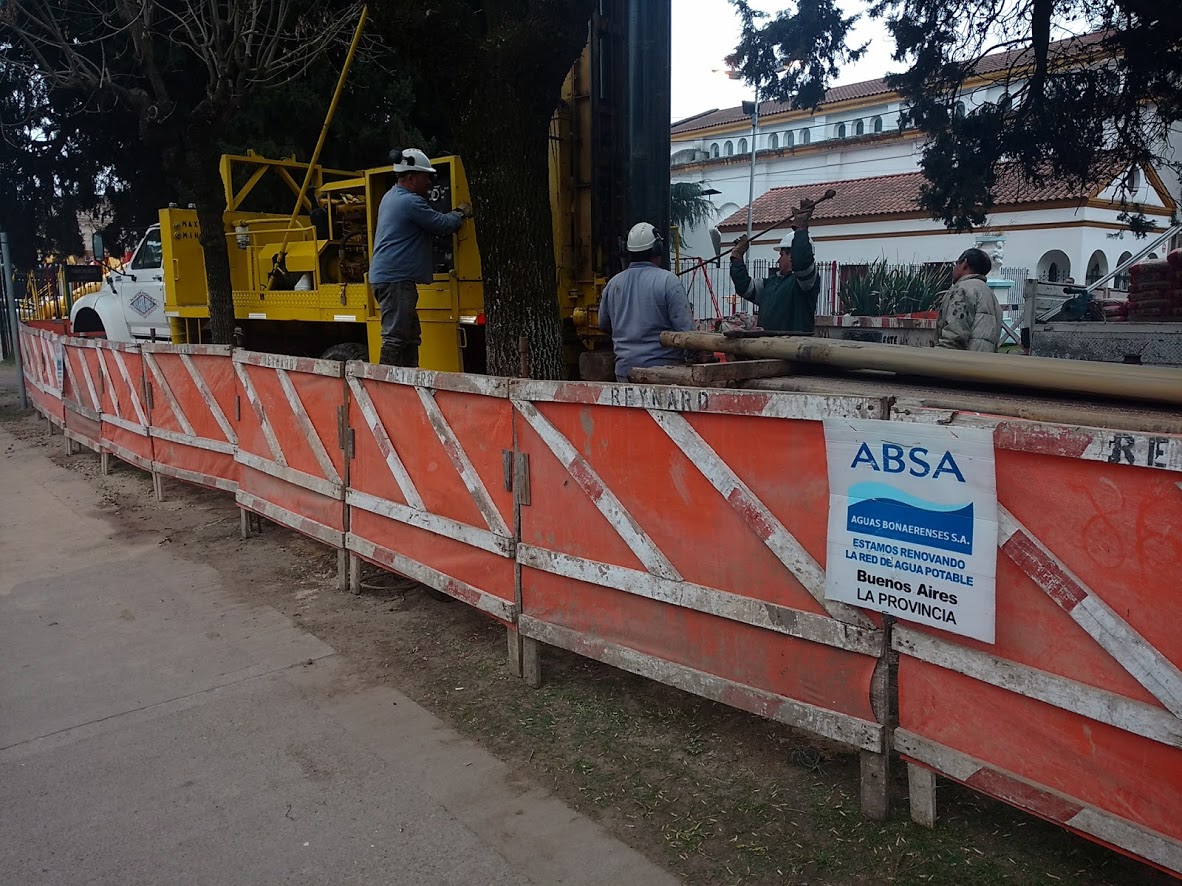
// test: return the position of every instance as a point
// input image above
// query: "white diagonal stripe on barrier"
(69, 372)
(755, 514)
(252, 397)
(385, 445)
(210, 401)
(107, 381)
(1156, 673)
(305, 422)
(182, 419)
(602, 497)
(459, 458)
(131, 391)
(94, 397)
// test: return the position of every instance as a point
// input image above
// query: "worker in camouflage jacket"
(787, 300)
(970, 317)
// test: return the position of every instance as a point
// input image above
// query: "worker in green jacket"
(787, 300)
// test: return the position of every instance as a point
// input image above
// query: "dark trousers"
(401, 332)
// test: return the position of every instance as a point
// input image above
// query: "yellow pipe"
(332, 109)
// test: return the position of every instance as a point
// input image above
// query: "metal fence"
(712, 294)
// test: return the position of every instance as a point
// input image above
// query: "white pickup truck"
(130, 306)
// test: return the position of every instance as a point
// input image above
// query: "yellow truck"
(608, 168)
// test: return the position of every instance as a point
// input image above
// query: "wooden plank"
(1069, 695)
(921, 788)
(839, 727)
(711, 375)
(712, 601)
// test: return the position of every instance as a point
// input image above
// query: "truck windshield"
(149, 255)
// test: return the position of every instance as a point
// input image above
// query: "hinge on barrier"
(148, 394)
(345, 433)
(237, 407)
(507, 468)
(521, 478)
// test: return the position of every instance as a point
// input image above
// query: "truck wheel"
(348, 350)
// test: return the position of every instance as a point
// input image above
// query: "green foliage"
(688, 208)
(1093, 89)
(794, 55)
(885, 289)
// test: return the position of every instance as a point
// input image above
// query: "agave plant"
(884, 289)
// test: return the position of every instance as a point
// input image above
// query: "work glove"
(802, 216)
(464, 209)
(740, 248)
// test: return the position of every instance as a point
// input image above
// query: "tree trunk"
(506, 165)
(211, 206)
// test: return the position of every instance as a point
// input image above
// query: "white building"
(855, 142)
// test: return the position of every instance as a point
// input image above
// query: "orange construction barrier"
(82, 393)
(427, 482)
(193, 402)
(124, 405)
(290, 421)
(680, 534)
(44, 370)
(1075, 713)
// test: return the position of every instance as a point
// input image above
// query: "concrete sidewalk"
(153, 729)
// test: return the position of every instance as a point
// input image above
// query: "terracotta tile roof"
(990, 64)
(888, 195)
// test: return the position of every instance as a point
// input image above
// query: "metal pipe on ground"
(1151, 384)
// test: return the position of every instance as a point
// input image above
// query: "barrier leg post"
(158, 485)
(531, 665)
(876, 765)
(343, 570)
(48, 426)
(514, 641)
(105, 463)
(69, 444)
(921, 786)
(354, 574)
(244, 523)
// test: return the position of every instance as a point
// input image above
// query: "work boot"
(391, 354)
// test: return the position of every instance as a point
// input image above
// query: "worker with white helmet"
(402, 253)
(787, 300)
(641, 302)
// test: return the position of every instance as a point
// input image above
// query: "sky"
(706, 31)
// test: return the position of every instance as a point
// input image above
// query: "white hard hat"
(411, 160)
(642, 238)
(786, 243)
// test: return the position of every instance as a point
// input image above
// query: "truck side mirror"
(97, 247)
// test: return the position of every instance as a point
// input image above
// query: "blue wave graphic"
(883, 491)
(927, 525)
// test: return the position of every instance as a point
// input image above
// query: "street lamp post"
(751, 175)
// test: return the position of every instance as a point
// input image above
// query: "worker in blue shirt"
(640, 303)
(402, 254)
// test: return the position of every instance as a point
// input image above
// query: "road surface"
(155, 729)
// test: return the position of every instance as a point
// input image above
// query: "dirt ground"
(716, 795)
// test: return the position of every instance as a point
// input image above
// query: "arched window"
(728, 149)
(1097, 267)
(773, 141)
(859, 128)
(714, 150)
(1121, 280)
(876, 124)
(805, 137)
(1054, 266)
(958, 111)
(789, 138)
(841, 130)
(742, 146)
